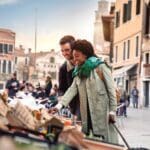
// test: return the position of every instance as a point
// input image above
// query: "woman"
(97, 96)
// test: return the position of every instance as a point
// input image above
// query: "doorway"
(146, 93)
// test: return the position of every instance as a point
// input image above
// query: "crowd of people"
(15, 88)
(86, 87)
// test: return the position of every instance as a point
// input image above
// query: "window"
(0, 66)
(124, 50)
(147, 58)
(147, 19)
(1, 85)
(9, 67)
(137, 46)
(15, 60)
(138, 7)
(44, 73)
(116, 54)
(53, 74)
(52, 60)
(117, 19)
(1, 48)
(129, 11)
(128, 50)
(26, 61)
(4, 66)
(5, 48)
(125, 12)
(10, 48)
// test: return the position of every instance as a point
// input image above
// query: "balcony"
(146, 70)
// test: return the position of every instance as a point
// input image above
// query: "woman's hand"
(53, 110)
(112, 117)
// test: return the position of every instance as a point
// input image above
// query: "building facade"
(145, 65)
(127, 45)
(100, 45)
(7, 44)
(48, 64)
(21, 63)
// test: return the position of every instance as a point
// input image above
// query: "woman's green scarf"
(85, 69)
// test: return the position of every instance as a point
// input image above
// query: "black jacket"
(48, 89)
(65, 81)
(13, 86)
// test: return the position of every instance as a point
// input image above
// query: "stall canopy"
(121, 71)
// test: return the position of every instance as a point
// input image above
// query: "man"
(94, 83)
(12, 86)
(65, 72)
(135, 94)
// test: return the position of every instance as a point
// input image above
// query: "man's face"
(66, 51)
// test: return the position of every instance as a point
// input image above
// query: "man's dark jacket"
(13, 86)
(65, 81)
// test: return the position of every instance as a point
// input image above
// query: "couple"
(94, 84)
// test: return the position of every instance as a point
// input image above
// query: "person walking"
(135, 95)
(94, 84)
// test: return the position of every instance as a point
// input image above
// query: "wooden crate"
(96, 145)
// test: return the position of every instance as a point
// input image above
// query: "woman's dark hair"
(67, 39)
(84, 47)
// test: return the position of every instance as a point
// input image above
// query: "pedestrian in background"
(12, 86)
(124, 101)
(135, 95)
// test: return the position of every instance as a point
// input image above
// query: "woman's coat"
(101, 98)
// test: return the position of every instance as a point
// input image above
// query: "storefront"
(126, 77)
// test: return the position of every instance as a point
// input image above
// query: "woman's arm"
(110, 88)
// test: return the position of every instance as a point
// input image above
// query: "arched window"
(0, 66)
(52, 60)
(26, 61)
(1, 48)
(4, 66)
(6, 48)
(9, 67)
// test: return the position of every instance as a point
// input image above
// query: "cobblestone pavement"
(136, 127)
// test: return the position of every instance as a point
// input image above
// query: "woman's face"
(79, 57)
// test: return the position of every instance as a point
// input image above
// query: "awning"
(122, 71)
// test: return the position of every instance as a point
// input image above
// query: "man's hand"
(112, 118)
(53, 110)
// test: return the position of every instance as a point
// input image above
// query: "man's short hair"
(67, 39)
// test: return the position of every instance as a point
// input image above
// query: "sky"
(55, 18)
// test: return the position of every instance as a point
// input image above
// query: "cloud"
(7, 2)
